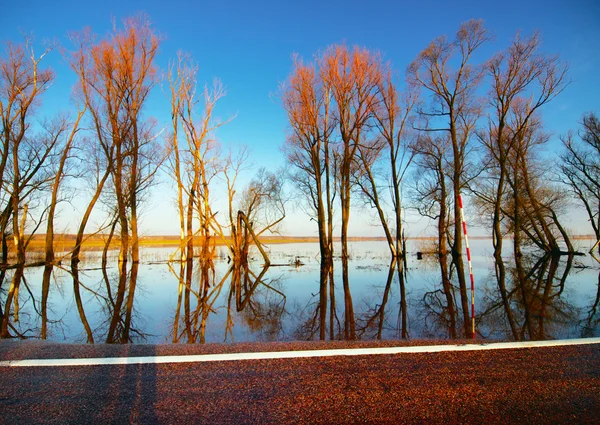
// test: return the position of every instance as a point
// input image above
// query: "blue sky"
(249, 44)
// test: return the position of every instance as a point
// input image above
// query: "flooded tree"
(535, 205)
(454, 110)
(194, 162)
(308, 149)
(115, 78)
(28, 153)
(580, 167)
(431, 197)
(261, 208)
(529, 209)
(96, 174)
(24, 155)
(523, 81)
(233, 167)
(352, 77)
(194, 157)
(389, 150)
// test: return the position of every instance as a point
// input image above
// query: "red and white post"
(464, 225)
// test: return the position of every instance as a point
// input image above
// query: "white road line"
(293, 354)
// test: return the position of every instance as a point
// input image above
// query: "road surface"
(526, 385)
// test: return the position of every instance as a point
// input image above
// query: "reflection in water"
(261, 304)
(45, 292)
(120, 305)
(593, 317)
(349, 324)
(210, 300)
(79, 302)
(532, 308)
(374, 317)
(204, 296)
(8, 328)
(325, 318)
(371, 322)
(243, 296)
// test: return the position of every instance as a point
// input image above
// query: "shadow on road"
(114, 394)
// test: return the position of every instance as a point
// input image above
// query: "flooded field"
(153, 303)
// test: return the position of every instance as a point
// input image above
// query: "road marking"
(294, 354)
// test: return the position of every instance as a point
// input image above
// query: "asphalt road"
(532, 385)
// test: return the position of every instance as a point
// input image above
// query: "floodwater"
(155, 303)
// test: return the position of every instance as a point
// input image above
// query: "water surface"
(152, 303)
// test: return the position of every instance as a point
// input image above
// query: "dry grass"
(65, 243)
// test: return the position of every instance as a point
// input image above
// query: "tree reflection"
(45, 292)
(260, 303)
(12, 297)
(349, 323)
(439, 305)
(255, 307)
(121, 307)
(317, 319)
(79, 303)
(376, 315)
(204, 295)
(593, 318)
(532, 308)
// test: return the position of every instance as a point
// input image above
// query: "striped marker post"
(464, 225)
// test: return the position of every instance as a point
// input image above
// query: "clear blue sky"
(248, 45)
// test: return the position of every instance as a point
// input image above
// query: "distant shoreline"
(65, 242)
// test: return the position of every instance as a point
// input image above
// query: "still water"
(154, 303)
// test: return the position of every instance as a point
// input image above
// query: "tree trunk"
(497, 241)
(456, 249)
(86, 217)
(443, 253)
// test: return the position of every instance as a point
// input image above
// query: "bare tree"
(580, 168)
(194, 159)
(431, 196)
(523, 80)
(22, 83)
(352, 77)
(233, 166)
(26, 162)
(456, 108)
(337, 95)
(535, 203)
(263, 201)
(61, 169)
(392, 147)
(115, 78)
(307, 101)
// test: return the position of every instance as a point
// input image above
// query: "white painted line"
(294, 354)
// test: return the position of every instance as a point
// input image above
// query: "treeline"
(111, 147)
(457, 127)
